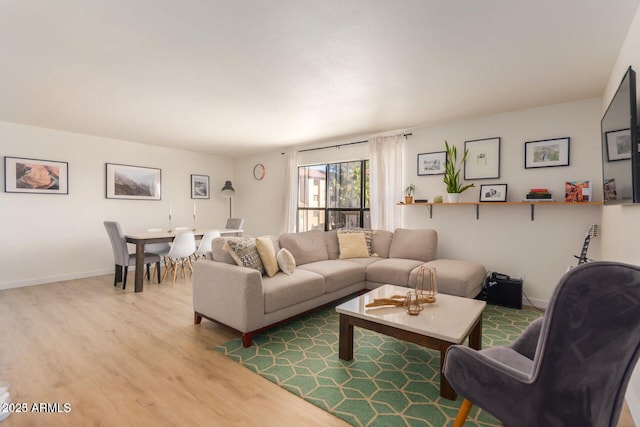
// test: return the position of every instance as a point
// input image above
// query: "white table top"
(173, 233)
(449, 319)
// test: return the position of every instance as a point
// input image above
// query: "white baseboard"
(51, 279)
(533, 302)
(633, 402)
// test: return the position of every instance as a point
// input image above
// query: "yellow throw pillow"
(267, 253)
(353, 245)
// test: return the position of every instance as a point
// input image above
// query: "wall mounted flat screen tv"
(620, 157)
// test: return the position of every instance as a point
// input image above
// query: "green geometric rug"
(388, 383)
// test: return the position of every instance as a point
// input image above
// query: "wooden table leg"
(139, 282)
(475, 337)
(446, 390)
(345, 340)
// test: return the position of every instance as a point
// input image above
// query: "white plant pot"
(453, 197)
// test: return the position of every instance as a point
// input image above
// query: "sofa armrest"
(229, 294)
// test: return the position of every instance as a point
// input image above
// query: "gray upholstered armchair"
(569, 368)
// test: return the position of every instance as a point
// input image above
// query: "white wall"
(56, 237)
(504, 238)
(620, 232)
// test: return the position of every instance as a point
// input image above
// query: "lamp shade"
(228, 190)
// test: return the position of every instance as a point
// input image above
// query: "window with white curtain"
(333, 195)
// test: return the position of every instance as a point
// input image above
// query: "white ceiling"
(233, 77)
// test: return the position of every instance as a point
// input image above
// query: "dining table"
(140, 239)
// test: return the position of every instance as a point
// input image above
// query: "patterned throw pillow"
(244, 252)
(286, 261)
(368, 236)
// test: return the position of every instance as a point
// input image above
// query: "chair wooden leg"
(166, 269)
(158, 270)
(175, 272)
(117, 275)
(124, 278)
(148, 275)
(463, 413)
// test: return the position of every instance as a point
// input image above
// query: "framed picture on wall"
(483, 160)
(546, 153)
(493, 193)
(199, 186)
(22, 175)
(133, 182)
(432, 163)
(618, 145)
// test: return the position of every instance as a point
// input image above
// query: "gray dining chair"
(235, 224)
(568, 368)
(123, 259)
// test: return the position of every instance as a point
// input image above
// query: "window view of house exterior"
(334, 195)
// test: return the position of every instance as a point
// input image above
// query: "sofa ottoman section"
(460, 278)
(337, 274)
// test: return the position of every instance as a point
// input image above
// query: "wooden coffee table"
(448, 321)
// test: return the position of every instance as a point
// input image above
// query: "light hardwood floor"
(126, 359)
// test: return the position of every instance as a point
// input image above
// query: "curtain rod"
(343, 145)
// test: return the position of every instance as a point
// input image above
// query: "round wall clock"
(258, 171)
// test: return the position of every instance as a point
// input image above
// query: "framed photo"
(133, 182)
(23, 175)
(493, 193)
(546, 153)
(483, 160)
(432, 163)
(199, 186)
(618, 145)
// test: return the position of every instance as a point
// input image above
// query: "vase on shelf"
(453, 197)
(408, 199)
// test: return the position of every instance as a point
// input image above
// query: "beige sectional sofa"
(248, 301)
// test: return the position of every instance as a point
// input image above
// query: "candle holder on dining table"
(170, 227)
(194, 223)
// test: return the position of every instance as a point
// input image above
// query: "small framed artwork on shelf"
(493, 193)
(483, 160)
(618, 145)
(432, 163)
(577, 191)
(23, 175)
(133, 182)
(199, 186)
(546, 153)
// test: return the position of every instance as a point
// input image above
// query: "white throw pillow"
(286, 261)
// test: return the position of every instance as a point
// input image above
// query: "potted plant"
(452, 173)
(408, 193)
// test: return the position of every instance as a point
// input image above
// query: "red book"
(539, 190)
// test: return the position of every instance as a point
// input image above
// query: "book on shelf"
(539, 190)
(577, 191)
(537, 200)
(538, 195)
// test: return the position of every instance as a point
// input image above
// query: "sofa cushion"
(219, 253)
(393, 271)
(331, 242)
(337, 274)
(282, 290)
(381, 242)
(306, 247)
(457, 277)
(286, 261)
(268, 247)
(365, 262)
(419, 245)
(353, 245)
(245, 253)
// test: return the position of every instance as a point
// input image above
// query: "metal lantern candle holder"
(427, 293)
(412, 303)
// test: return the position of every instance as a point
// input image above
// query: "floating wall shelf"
(430, 205)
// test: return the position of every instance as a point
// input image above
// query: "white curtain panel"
(385, 180)
(290, 200)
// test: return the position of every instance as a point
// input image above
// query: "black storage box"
(504, 292)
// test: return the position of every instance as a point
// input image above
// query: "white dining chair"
(184, 246)
(205, 244)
